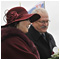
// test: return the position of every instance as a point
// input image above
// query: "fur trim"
(11, 31)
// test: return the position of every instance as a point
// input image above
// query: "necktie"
(43, 35)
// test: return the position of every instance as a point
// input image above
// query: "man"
(43, 40)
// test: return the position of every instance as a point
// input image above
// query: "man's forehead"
(44, 18)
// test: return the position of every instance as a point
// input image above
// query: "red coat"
(16, 45)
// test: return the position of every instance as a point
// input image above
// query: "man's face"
(41, 25)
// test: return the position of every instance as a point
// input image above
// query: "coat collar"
(34, 32)
(11, 31)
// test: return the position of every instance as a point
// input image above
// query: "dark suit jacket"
(44, 46)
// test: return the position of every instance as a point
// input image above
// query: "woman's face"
(23, 26)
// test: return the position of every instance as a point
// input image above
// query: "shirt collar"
(42, 33)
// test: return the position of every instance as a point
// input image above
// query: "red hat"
(19, 14)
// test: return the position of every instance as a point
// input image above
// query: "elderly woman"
(14, 43)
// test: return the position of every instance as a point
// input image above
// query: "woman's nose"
(29, 22)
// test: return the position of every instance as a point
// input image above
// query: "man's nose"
(45, 23)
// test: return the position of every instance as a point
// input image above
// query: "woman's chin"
(25, 31)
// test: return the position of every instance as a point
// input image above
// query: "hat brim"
(31, 17)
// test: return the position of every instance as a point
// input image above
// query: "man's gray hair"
(41, 10)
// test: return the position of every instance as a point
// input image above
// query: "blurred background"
(52, 8)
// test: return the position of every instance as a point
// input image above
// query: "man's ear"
(34, 23)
